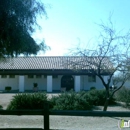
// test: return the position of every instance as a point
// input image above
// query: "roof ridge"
(40, 57)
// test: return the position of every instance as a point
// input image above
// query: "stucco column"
(49, 83)
(77, 83)
(21, 83)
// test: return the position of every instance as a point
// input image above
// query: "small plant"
(92, 88)
(8, 88)
(35, 85)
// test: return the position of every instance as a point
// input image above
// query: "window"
(3, 76)
(38, 76)
(30, 76)
(11, 76)
(91, 78)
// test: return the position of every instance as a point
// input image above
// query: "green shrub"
(8, 88)
(79, 101)
(123, 95)
(102, 97)
(52, 101)
(97, 97)
(92, 88)
(1, 107)
(69, 101)
(64, 101)
(28, 101)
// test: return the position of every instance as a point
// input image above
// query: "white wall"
(42, 82)
(13, 82)
(56, 83)
(86, 85)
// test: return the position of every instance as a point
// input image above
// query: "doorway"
(67, 82)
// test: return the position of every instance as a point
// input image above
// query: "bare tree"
(110, 57)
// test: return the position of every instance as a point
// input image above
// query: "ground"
(60, 122)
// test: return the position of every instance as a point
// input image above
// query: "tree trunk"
(107, 98)
(106, 104)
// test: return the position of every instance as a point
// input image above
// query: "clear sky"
(71, 21)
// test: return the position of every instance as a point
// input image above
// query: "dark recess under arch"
(67, 81)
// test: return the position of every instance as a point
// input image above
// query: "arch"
(67, 82)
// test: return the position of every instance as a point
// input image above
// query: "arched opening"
(67, 82)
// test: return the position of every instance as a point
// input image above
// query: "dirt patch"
(5, 99)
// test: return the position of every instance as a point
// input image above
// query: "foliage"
(64, 101)
(8, 88)
(28, 101)
(79, 101)
(97, 97)
(1, 107)
(123, 95)
(70, 101)
(92, 88)
(18, 20)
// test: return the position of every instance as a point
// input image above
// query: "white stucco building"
(52, 74)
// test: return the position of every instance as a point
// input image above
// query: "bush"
(123, 95)
(79, 101)
(28, 101)
(92, 88)
(97, 97)
(69, 101)
(7, 88)
(102, 97)
(52, 101)
(64, 101)
(1, 107)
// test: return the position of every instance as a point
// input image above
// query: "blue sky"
(71, 21)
